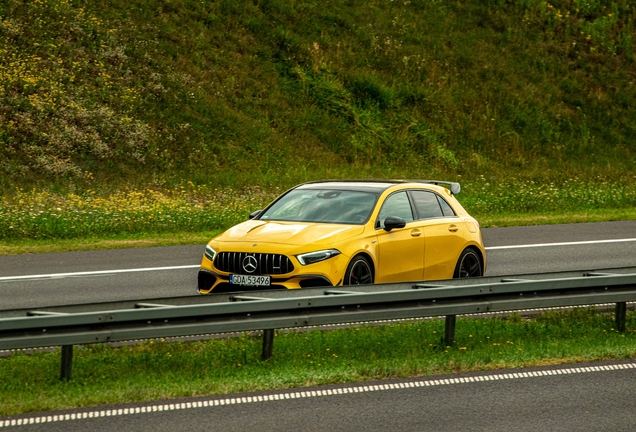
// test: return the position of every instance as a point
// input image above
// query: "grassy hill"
(111, 94)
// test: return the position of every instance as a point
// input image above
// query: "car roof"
(376, 186)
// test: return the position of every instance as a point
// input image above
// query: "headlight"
(209, 252)
(312, 257)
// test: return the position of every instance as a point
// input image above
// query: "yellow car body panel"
(423, 249)
(401, 254)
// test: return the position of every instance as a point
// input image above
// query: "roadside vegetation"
(159, 369)
(111, 96)
(39, 221)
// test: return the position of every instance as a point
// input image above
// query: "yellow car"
(333, 233)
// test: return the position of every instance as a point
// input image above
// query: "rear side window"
(446, 208)
(428, 206)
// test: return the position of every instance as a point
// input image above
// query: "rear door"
(443, 233)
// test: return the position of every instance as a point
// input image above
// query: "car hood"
(290, 233)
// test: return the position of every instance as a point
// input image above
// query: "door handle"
(453, 228)
(416, 233)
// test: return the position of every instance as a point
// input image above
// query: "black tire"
(359, 272)
(468, 265)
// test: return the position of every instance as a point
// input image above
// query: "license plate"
(249, 280)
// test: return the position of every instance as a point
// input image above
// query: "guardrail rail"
(270, 310)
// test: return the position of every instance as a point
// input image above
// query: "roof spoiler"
(453, 186)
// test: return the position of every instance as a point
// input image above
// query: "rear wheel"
(468, 265)
(358, 272)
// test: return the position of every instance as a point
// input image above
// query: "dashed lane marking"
(308, 394)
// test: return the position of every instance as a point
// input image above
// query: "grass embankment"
(104, 95)
(162, 370)
(128, 118)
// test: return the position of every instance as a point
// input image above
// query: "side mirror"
(393, 222)
(254, 214)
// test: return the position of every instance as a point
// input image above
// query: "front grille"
(266, 264)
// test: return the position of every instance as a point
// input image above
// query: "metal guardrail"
(70, 305)
(261, 311)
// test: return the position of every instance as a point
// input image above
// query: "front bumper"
(209, 281)
(325, 273)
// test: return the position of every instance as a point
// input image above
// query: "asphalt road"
(584, 397)
(525, 255)
(53, 288)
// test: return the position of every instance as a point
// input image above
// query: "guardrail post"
(449, 334)
(621, 316)
(67, 362)
(268, 344)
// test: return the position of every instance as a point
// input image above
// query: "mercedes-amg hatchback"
(332, 233)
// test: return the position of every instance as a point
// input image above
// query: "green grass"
(525, 219)
(105, 95)
(142, 240)
(32, 221)
(33, 216)
(124, 241)
(132, 120)
(160, 370)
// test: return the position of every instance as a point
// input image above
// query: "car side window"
(426, 205)
(446, 208)
(396, 205)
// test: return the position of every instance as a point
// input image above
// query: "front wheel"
(468, 265)
(358, 272)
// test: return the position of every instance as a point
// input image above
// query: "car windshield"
(322, 205)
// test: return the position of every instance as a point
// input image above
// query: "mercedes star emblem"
(249, 263)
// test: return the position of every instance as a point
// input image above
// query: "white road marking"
(94, 273)
(311, 394)
(148, 269)
(562, 244)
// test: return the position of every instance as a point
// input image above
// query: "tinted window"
(426, 205)
(396, 205)
(446, 208)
